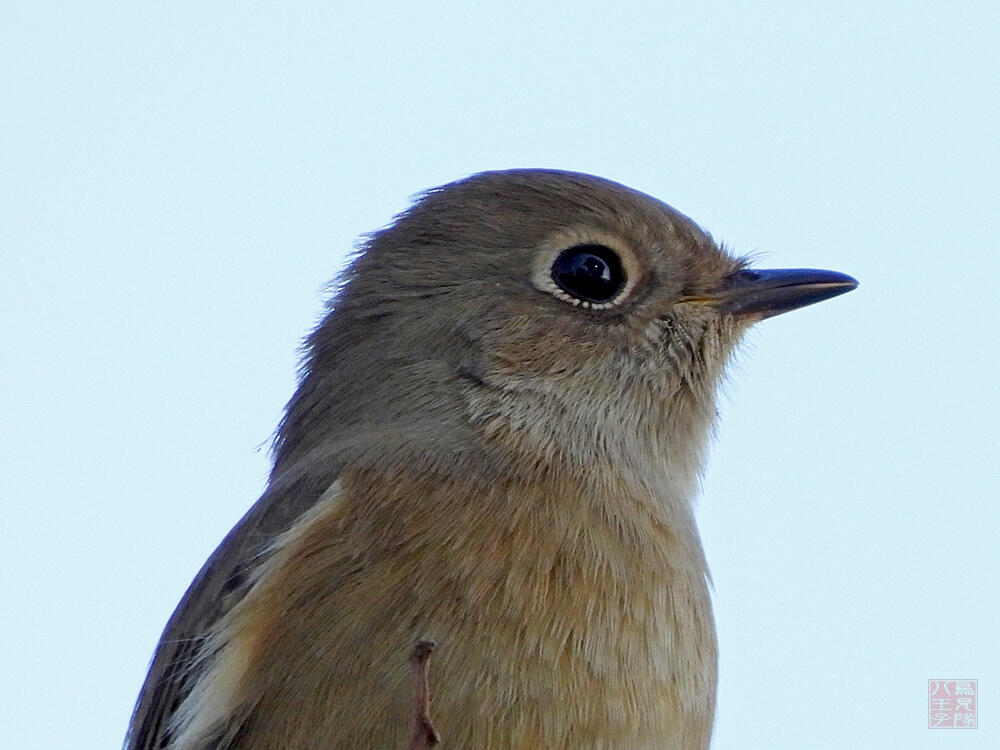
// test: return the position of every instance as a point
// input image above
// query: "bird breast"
(538, 595)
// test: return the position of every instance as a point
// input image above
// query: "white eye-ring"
(586, 269)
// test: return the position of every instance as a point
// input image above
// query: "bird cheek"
(540, 360)
(551, 351)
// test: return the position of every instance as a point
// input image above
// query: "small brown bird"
(495, 445)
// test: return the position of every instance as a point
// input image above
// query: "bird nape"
(495, 446)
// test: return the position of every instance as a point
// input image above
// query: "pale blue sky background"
(179, 181)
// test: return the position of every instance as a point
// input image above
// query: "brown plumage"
(495, 445)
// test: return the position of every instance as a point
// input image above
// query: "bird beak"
(761, 294)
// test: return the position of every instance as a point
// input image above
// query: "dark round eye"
(591, 273)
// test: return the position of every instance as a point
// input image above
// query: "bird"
(495, 445)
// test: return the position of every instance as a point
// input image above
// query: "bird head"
(553, 318)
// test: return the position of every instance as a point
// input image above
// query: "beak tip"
(850, 281)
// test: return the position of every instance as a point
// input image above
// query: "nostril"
(745, 275)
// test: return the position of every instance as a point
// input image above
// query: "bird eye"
(590, 273)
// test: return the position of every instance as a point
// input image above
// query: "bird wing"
(219, 585)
